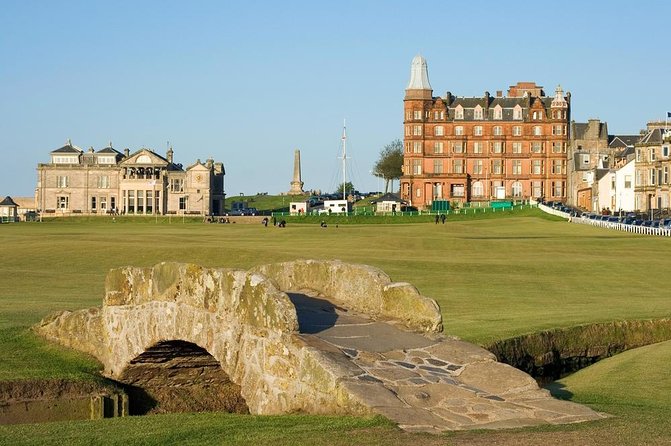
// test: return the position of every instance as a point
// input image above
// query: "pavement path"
(429, 383)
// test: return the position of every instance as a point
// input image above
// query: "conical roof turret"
(419, 75)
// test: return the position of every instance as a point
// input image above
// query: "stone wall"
(361, 288)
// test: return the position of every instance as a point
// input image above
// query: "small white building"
(299, 207)
(336, 206)
(8, 211)
(388, 203)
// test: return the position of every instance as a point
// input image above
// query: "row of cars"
(631, 219)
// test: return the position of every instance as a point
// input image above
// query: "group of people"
(441, 218)
(280, 224)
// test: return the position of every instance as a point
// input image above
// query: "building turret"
(169, 155)
(419, 86)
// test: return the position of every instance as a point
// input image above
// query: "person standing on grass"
(443, 218)
(437, 218)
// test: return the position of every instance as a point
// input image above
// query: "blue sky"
(249, 82)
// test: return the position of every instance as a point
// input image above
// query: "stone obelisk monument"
(296, 184)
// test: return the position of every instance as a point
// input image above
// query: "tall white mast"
(344, 159)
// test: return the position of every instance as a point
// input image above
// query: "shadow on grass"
(559, 391)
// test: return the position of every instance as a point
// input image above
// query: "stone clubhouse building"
(142, 183)
(478, 149)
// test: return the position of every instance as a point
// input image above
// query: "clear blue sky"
(249, 82)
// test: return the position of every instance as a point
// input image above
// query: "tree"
(349, 188)
(390, 164)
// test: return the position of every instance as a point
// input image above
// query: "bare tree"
(390, 164)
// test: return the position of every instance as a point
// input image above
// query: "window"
(458, 130)
(437, 166)
(477, 147)
(438, 147)
(407, 130)
(63, 202)
(477, 113)
(666, 175)
(557, 147)
(638, 155)
(517, 113)
(150, 201)
(517, 130)
(176, 185)
(418, 192)
(557, 129)
(417, 130)
(627, 181)
(517, 147)
(537, 189)
(477, 130)
(665, 151)
(652, 176)
(105, 159)
(183, 203)
(536, 167)
(417, 146)
(517, 189)
(639, 178)
(584, 159)
(416, 167)
(477, 167)
(61, 181)
(440, 131)
(93, 203)
(558, 188)
(103, 182)
(536, 147)
(442, 115)
(477, 190)
(131, 202)
(435, 115)
(497, 167)
(497, 147)
(458, 190)
(458, 147)
(417, 114)
(498, 131)
(113, 203)
(538, 130)
(557, 166)
(652, 154)
(498, 112)
(517, 167)
(103, 203)
(459, 112)
(458, 166)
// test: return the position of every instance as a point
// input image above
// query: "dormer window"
(517, 112)
(498, 112)
(459, 112)
(477, 112)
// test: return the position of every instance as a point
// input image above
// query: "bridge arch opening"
(179, 376)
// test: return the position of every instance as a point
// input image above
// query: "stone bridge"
(320, 337)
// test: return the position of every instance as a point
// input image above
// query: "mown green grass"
(494, 278)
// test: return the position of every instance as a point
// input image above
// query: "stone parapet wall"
(362, 288)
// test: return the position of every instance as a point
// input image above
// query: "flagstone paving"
(428, 383)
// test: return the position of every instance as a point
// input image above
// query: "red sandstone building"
(479, 149)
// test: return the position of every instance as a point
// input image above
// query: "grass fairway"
(494, 278)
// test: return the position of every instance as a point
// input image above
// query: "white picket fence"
(645, 230)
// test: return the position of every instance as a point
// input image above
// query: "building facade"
(142, 183)
(478, 149)
(653, 162)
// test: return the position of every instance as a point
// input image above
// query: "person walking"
(437, 218)
(443, 218)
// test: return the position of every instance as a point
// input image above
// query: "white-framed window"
(416, 167)
(60, 159)
(439, 130)
(639, 178)
(437, 166)
(62, 181)
(653, 154)
(517, 167)
(517, 189)
(497, 147)
(477, 112)
(556, 147)
(477, 167)
(497, 167)
(417, 146)
(183, 203)
(458, 130)
(458, 190)
(458, 147)
(442, 115)
(517, 147)
(438, 147)
(536, 147)
(498, 112)
(517, 113)
(652, 176)
(477, 189)
(417, 130)
(557, 166)
(459, 112)
(557, 129)
(436, 114)
(62, 202)
(176, 185)
(638, 155)
(477, 130)
(94, 203)
(537, 189)
(417, 114)
(558, 188)
(407, 130)
(666, 175)
(627, 181)
(106, 159)
(497, 130)
(536, 167)
(517, 130)
(457, 166)
(538, 130)
(104, 182)
(103, 203)
(665, 151)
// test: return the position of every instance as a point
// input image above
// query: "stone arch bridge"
(305, 336)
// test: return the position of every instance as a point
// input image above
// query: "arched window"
(477, 190)
(517, 189)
